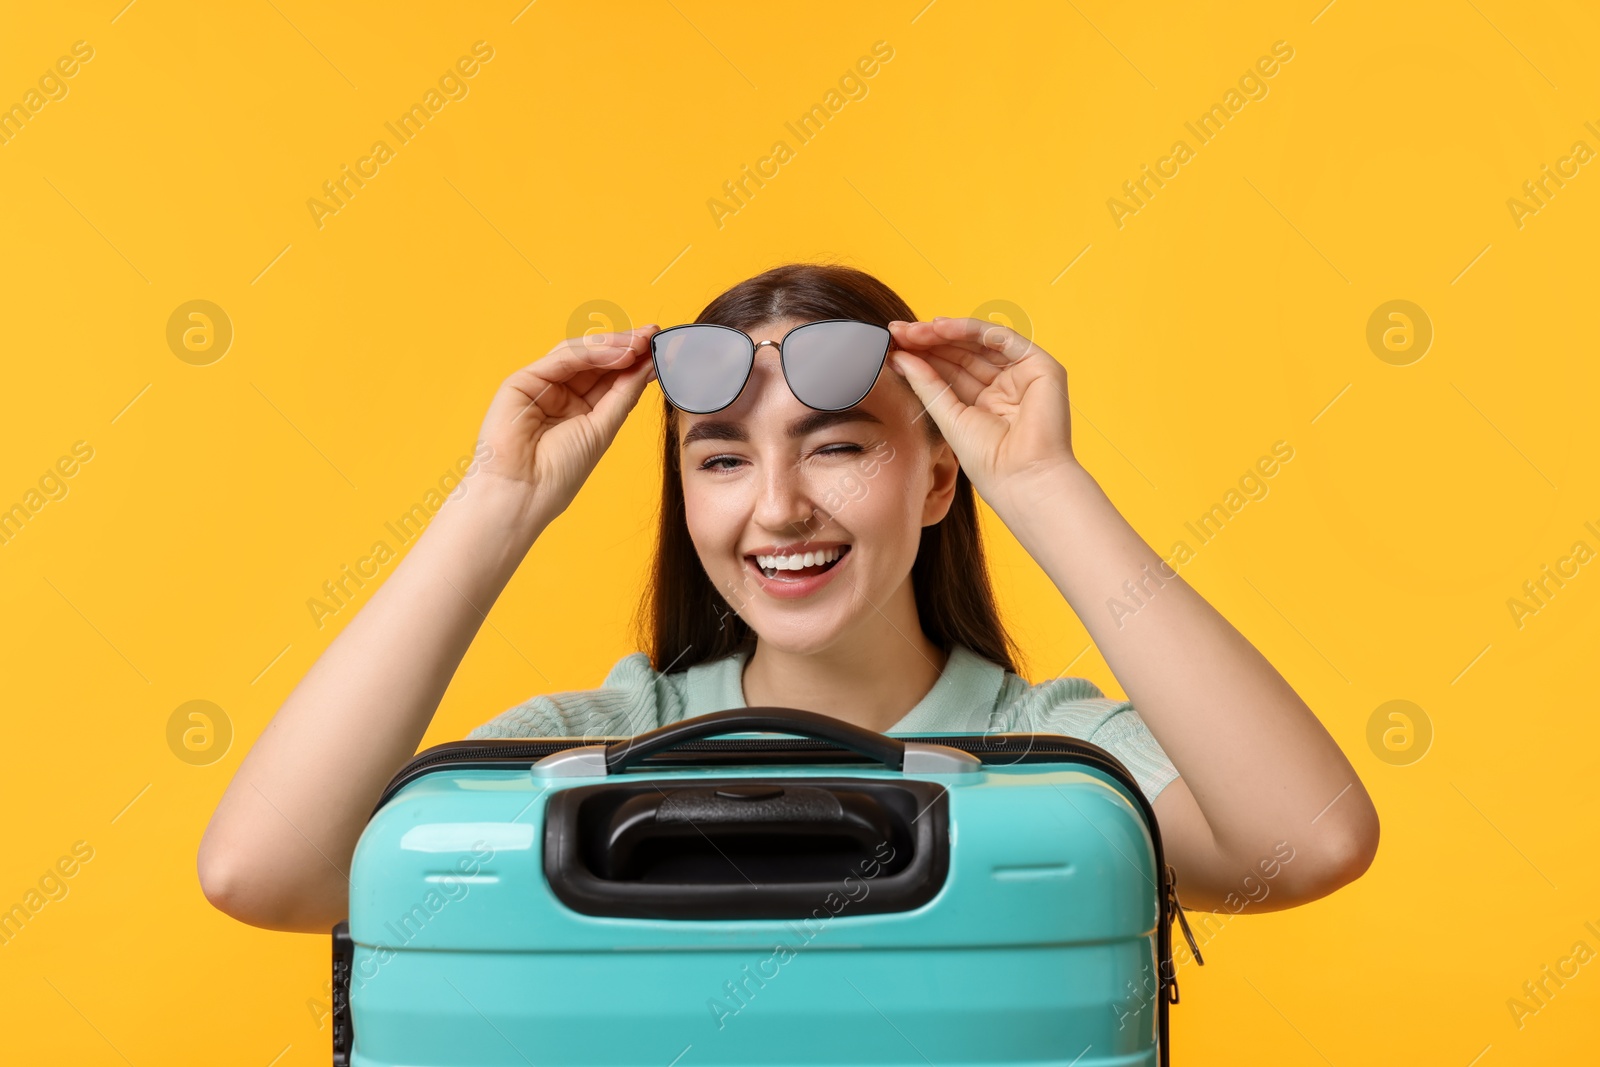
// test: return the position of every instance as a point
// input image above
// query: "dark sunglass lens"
(701, 368)
(832, 365)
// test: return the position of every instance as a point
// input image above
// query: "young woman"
(817, 556)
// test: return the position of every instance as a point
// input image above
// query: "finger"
(556, 383)
(950, 366)
(593, 352)
(934, 332)
(989, 337)
(616, 397)
(971, 353)
(586, 382)
(938, 399)
(599, 382)
(948, 360)
(967, 385)
(562, 397)
(989, 343)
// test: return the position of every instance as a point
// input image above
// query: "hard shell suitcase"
(841, 897)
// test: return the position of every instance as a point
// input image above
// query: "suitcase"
(835, 897)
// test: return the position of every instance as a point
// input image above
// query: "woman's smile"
(797, 572)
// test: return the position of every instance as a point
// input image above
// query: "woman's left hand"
(999, 399)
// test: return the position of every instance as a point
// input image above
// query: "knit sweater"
(972, 695)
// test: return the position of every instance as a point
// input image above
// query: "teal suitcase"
(815, 895)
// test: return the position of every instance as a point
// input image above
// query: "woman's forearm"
(277, 851)
(1260, 765)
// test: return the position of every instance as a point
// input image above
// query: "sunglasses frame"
(783, 360)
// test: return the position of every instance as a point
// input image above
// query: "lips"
(791, 585)
(788, 574)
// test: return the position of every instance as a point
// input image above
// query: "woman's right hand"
(551, 421)
(280, 842)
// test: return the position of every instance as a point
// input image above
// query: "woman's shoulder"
(1063, 693)
(1075, 707)
(1064, 705)
(633, 697)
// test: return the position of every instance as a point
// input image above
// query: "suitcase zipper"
(1175, 910)
(513, 753)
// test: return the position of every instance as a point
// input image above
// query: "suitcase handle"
(654, 826)
(893, 753)
(889, 751)
(746, 848)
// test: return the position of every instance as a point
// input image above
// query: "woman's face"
(768, 476)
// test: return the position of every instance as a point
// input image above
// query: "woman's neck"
(871, 682)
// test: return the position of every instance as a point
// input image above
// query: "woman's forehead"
(776, 328)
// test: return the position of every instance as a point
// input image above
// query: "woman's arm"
(1256, 767)
(277, 852)
(1259, 775)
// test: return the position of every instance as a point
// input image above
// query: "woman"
(892, 627)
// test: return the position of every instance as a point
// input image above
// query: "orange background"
(568, 189)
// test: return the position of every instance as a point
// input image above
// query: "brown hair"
(682, 616)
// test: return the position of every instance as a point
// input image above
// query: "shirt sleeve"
(632, 699)
(1076, 707)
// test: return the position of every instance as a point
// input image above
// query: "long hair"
(684, 620)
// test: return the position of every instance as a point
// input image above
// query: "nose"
(784, 503)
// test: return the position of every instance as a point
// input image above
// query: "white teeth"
(800, 559)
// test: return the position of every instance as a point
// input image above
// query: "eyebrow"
(805, 424)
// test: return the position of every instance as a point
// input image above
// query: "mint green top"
(972, 695)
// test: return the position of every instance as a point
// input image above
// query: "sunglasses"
(830, 364)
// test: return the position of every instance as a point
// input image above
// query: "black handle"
(746, 848)
(652, 829)
(889, 751)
